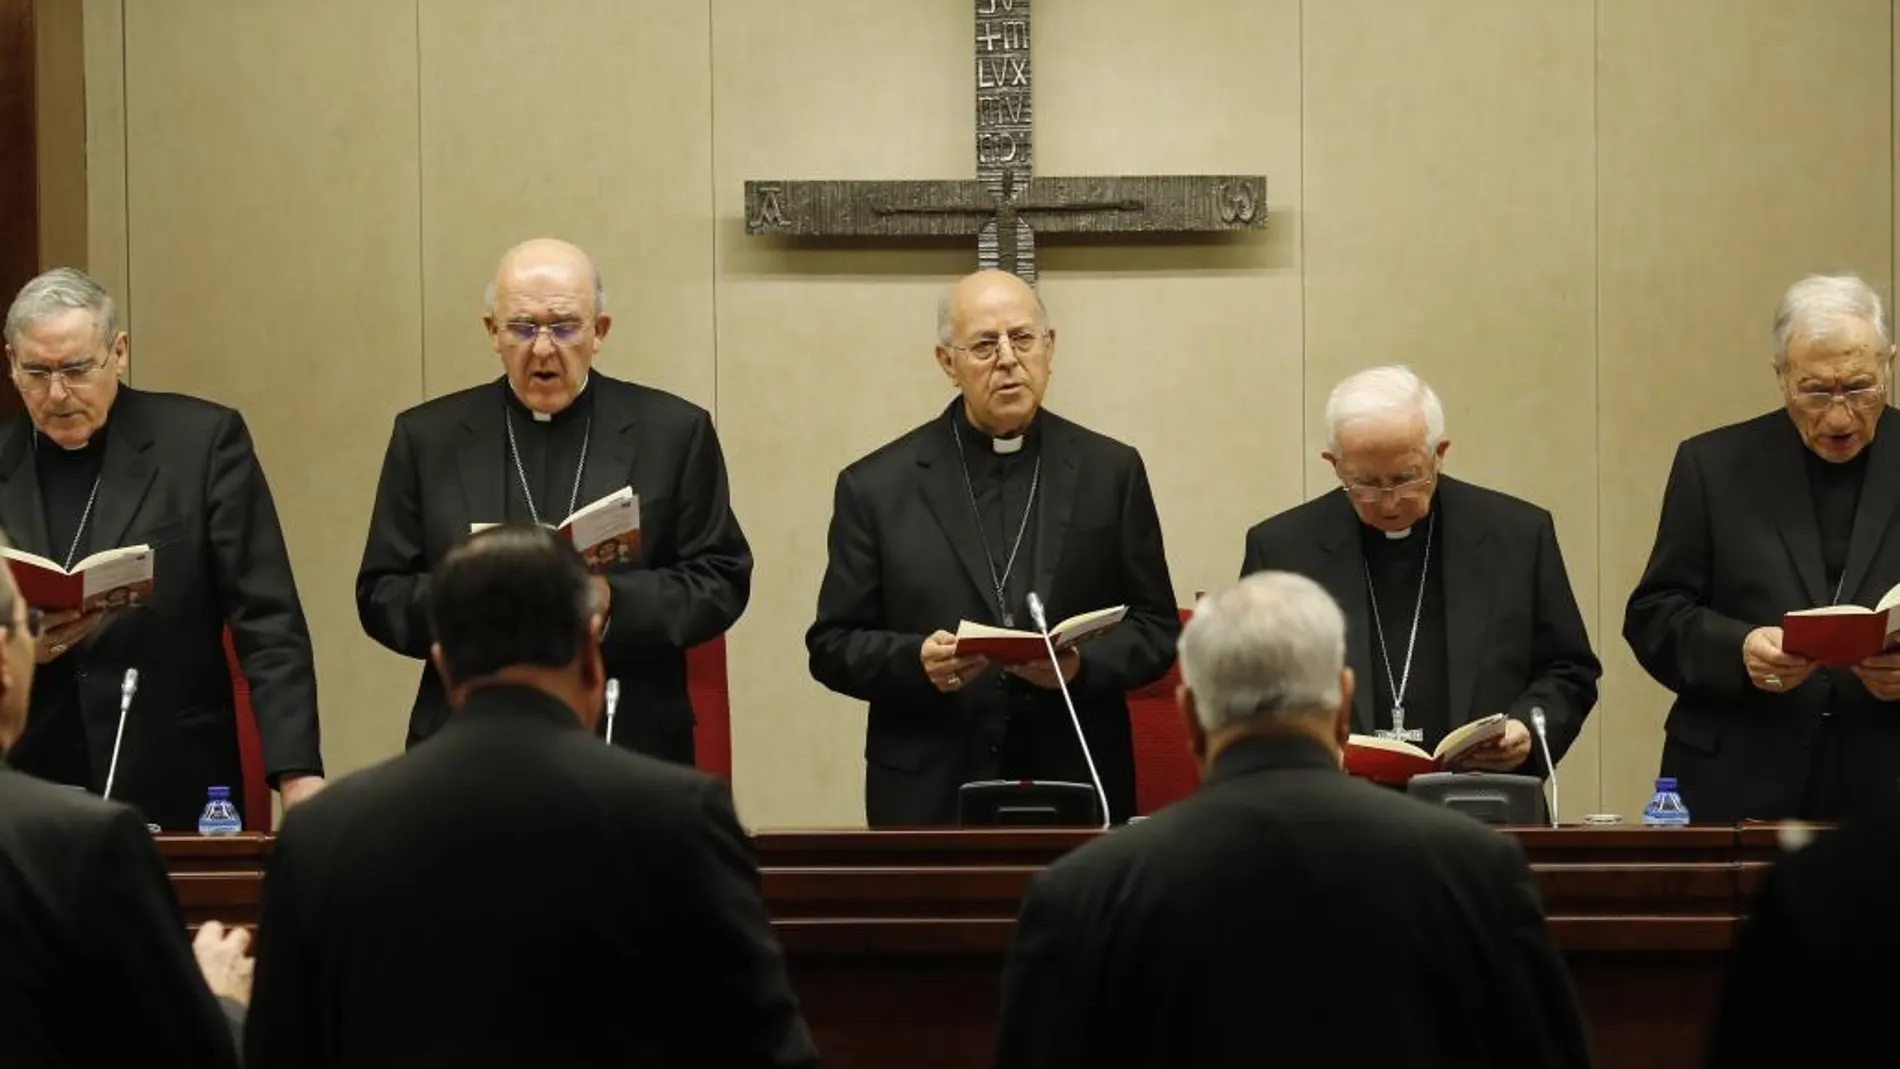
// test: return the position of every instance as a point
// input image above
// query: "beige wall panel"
(1190, 351)
(1450, 226)
(823, 355)
(1741, 143)
(60, 77)
(106, 251)
(620, 165)
(271, 166)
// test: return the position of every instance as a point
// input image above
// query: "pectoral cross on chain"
(1398, 730)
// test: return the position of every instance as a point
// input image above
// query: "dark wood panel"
(896, 940)
(19, 164)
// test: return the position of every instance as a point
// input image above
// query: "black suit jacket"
(447, 468)
(181, 475)
(906, 559)
(95, 968)
(518, 893)
(1810, 976)
(1513, 635)
(1738, 546)
(1291, 914)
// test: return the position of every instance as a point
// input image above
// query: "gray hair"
(1378, 392)
(600, 292)
(59, 291)
(1819, 306)
(946, 337)
(1268, 649)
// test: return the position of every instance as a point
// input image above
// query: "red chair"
(254, 800)
(1164, 769)
(711, 698)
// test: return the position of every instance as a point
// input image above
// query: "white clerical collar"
(543, 417)
(1007, 446)
(1397, 535)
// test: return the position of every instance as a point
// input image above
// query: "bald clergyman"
(548, 436)
(961, 519)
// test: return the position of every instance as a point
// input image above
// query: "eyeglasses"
(1861, 399)
(35, 379)
(1370, 492)
(990, 346)
(524, 332)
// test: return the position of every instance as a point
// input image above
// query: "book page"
(1889, 600)
(33, 559)
(607, 532)
(1467, 736)
(110, 555)
(1832, 610)
(969, 629)
(130, 572)
(1076, 628)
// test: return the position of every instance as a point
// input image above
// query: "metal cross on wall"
(1004, 206)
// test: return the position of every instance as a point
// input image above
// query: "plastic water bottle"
(220, 816)
(1666, 810)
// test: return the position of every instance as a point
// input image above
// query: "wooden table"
(896, 939)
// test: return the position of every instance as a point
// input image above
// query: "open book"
(1008, 646)
(1384, 760)
(1841, 635)
(607, 532)
(111, 579)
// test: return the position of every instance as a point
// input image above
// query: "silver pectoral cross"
(1398, 729)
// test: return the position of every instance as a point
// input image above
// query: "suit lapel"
(483, 457)
(1468, 588)
(1344, 564)
(1061, 473)
(1791, 501)
(941, 482)
(1879, 492)
(610, 448)
(125, 472)
(20, 509)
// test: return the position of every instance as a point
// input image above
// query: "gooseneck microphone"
(1042, 626)
(613, 703)
(1537, 725)
(126, 690)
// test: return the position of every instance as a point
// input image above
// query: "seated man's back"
(94, 966)
(1286, 913)
(1810, 974)
(512, 891)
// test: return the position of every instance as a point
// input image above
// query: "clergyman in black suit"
(93, 465)
(1456, 598)
(1810, 973)
(1789, 510)
(549, 436)
(962, 519)
(1396, 933)
(517, 892)
(94, 967)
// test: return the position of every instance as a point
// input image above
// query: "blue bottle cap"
(1665, 783)
(220, 794)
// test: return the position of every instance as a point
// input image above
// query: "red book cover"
(1838, 639)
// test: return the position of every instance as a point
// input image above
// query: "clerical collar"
(1380, 536)
(91, 447)
(582, 399)
(1014, 445)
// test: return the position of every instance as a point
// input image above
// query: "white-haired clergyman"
(1456, 599)
(1789, 510)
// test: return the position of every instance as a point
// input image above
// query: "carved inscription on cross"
(1005, 206)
